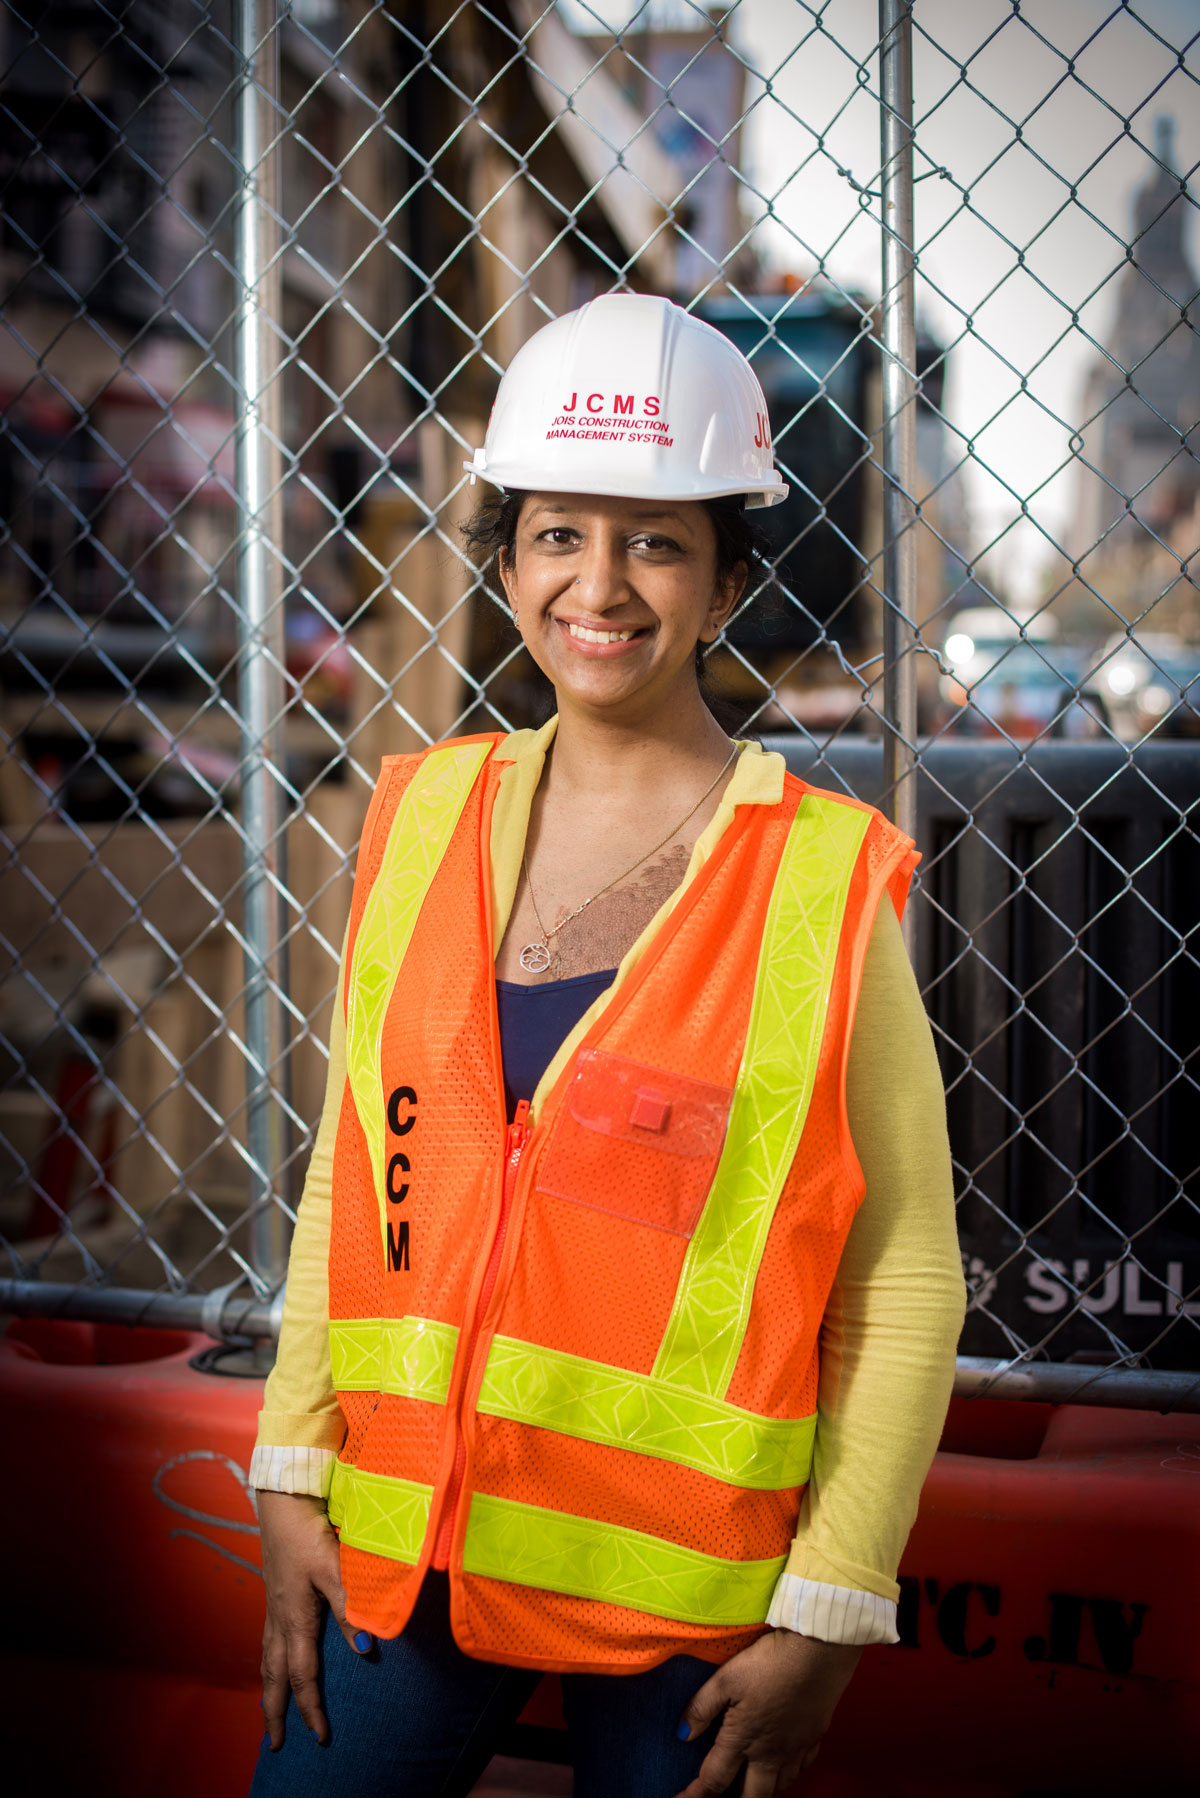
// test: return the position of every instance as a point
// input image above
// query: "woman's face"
(612, 595)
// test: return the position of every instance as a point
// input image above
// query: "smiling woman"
(614, 598)
(630, 1358)
(741, 547)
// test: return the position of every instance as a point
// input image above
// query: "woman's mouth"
(586, 634)
(592, 638)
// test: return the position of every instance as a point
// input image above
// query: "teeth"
(588, 636)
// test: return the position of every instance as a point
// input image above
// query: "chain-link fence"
(262, 267)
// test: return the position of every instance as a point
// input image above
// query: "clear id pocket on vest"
(638, 1142)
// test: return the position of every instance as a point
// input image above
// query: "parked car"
(1005, 675)
(1151, 683)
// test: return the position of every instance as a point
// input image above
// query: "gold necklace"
(535, 957)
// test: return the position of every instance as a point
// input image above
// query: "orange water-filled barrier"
(135, 1595)
(1050, 1591)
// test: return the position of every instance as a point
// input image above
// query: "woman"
(591, 1349)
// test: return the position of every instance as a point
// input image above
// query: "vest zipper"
(514, 1147)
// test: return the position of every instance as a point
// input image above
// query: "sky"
(1084, 80)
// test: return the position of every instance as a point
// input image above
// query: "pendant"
(535, 958)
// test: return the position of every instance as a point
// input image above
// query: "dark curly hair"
(491, 535)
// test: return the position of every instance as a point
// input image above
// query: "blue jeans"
(417, 1718)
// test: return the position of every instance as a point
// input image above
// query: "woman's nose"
(600, 577)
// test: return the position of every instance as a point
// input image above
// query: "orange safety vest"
(578, 1362)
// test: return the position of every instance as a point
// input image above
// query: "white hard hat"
(631, 396)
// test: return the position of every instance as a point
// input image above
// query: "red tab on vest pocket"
(642, 1143)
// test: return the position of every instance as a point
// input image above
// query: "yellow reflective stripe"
(771, 1097)
(418, 1355)
(410, 1356)
(555, 1391)
(527, 1546)
(382, 1515)
(354, 1354)
(425, 818)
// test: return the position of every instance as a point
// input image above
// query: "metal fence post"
(899, 448)
(260, 608)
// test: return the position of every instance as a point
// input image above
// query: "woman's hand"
(778, 1697)
(301, 1574)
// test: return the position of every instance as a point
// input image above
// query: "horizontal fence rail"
(262, 266)
(222, 1314)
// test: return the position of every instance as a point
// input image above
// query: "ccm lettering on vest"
(589, 1390)
(401, 1116)
(420, 833)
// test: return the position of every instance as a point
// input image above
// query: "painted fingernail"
(314, 1735)
(362, 1641)
(684, 1730)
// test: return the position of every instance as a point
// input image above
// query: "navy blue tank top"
(533, 1022)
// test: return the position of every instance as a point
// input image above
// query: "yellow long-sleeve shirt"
(894, 1315)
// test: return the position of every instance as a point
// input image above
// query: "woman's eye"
(654, 543)
(558, 536)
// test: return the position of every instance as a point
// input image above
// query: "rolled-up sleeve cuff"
(304, 1471)
(831, 1613)
(302, 1429)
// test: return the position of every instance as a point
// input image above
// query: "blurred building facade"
(419, 226)
(1138, 517)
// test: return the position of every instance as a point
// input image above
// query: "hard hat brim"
(513, 478)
